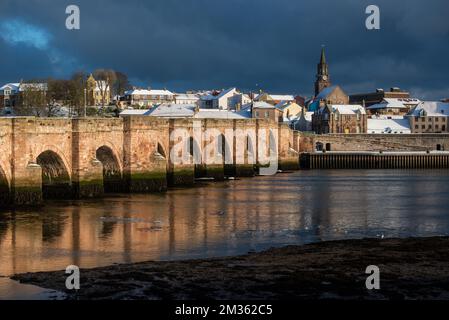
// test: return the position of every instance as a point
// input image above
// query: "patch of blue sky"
(16, 32)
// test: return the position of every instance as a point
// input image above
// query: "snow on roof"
(172, 110)
(210, 96)
(402, 101)
(431, 109)
(189, 111)
(149, 92)
(325, 93)
(12, 86)
(138, 112)
(280, 97)
(379, 125)
(186, 96)
(394, 103)
(219, 114)
(225, 92)
(348, 109)
(264, 105)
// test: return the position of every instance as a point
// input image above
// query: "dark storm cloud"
(213, 44)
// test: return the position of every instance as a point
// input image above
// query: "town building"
(98, 92)
(186, 98)
(332, 95)
(304, 122)
(388, 125)
(393, 106)
(290, 110)
(369, 99)
(230, 99)
(300, 100)
(264, 110)
(9, 95)
(339, 119)
(148, 98)
(176, 111)
(274, 99)
(429, 117)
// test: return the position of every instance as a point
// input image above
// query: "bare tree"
(121, 83)
(33, 100)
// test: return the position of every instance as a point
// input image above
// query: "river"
(225, 218)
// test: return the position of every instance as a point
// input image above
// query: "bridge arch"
(224, 150)
(112, 172)
(56, 179)
(5, 194)
(195, 151)
(250, 151)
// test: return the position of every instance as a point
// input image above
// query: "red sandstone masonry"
(139, 145)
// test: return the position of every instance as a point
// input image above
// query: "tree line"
(45, 98)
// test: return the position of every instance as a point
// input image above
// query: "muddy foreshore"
(415, 268)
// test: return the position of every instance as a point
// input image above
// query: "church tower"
(322, 77)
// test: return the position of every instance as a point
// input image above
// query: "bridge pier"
(215, 171)
(27, 190)
(244, 170)
(146, 180)
(88, 183)
(181, 174)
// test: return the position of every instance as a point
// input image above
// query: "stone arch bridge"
(80, 158)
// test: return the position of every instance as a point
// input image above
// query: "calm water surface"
(228, 218)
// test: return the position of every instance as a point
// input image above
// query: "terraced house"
(430, 117)
(148, 98)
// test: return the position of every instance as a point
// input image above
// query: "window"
(257, 114)
(416, 126)
(7, 92)
(437, 119)
(267, 114)
(423, 126)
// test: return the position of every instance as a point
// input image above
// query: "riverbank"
(414, 268)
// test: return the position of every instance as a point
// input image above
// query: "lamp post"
(85, 102)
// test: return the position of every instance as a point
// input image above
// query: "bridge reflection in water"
(226, 218)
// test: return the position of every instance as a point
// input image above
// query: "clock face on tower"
(325, 78)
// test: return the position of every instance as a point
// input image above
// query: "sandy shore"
(410, 269)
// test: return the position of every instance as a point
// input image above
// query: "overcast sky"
(196, 44)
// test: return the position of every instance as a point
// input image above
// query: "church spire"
(322, 77)
(323, 56)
